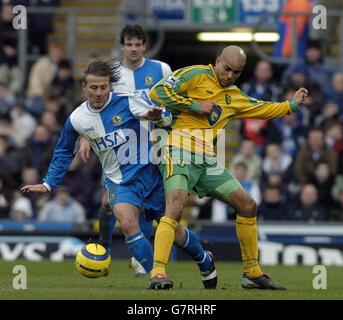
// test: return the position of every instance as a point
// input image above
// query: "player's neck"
(132, 65)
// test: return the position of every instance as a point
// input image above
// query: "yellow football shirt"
(183, 90)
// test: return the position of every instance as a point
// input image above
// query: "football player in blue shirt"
(138, 75)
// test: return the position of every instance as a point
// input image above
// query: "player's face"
(228, 71)
(133, 49)
(97, 90)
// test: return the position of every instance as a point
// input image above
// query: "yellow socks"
(246, 229)
(164, 239)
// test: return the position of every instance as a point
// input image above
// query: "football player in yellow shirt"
(201, 99)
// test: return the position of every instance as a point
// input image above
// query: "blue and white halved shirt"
(143, 78)
(116, 134)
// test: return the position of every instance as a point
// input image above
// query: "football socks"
(246, 229)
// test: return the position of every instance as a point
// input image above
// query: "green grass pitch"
(47, 280)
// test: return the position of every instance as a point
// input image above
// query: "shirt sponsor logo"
(110, 140)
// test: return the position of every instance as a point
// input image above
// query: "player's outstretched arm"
(41, 188)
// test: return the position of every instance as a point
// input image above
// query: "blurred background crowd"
(293, 167)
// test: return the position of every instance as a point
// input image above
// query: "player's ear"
(84, 84)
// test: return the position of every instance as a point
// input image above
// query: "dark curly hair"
(132, 31)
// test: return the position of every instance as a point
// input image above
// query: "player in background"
(204, 97)
(111, 122)
(139, 75)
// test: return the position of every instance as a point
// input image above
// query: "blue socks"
(108, 221)
(195, 250)
(140, 248)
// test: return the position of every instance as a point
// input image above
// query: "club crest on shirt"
(116, 120)
(215, 115)
(148, 80)
(90, 132)
(227, 99)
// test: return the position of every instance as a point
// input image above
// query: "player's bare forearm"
(40, 188)
(84, 149)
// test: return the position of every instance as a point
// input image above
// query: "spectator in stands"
(30, 175)
(5, 196)
(49, 120)
(290, 134)
(334, 140)
(8, 35)
(329, 113)
(337, 188)
(335, 93)
(10, 74)
(257, 131)
(9, 160)
(62, 208)
(250, 186)
(40, 25)
(308, 208)
(299, 76)
(80, 184)
(65, 86)
(38, 151)
(43, 72)
(7, 130)
(337, 195)
(290, 130)
(319, 67)
(54, 103)
(23, 124)
(337, 210)
(323, 180)
(273, 205)
(262, 86)
(248, 156)
(312, 153)
(7, 99)
(21, 209)
(220, 211)
(275, 160)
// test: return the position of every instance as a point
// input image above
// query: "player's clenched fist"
(300, 96)
(206, 107)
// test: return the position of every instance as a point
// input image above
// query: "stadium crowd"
(293, 166)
